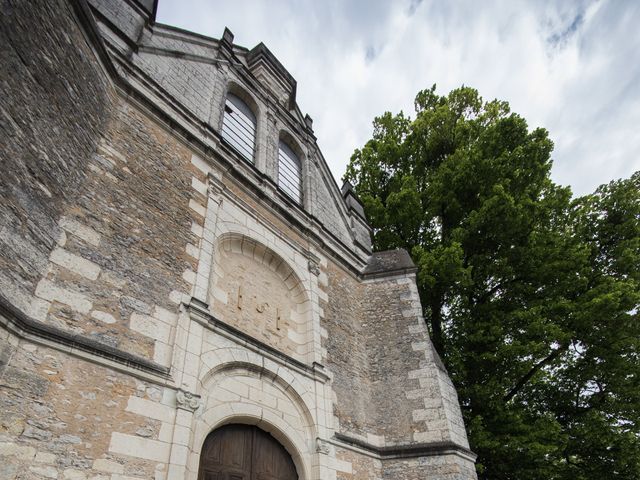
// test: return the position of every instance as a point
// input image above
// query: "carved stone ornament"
(262, 307)
(187, 400)
(215, 186)
(322, 446)
(314, 268)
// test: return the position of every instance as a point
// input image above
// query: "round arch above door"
(244, 452)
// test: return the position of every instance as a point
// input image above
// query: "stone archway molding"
(253, 366)
(251, 414)
(276, 257)
(277, 295)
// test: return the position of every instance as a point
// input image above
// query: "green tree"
(531, 296)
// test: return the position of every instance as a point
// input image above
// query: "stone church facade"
(185, 293)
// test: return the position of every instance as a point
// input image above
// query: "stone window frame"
(288, 140)
(242, 94)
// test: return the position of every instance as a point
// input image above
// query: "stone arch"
(241, 92)
(217, 412)
(229, 362)
(245, 451)
(249, 414)
(242, 128)
(286, 136)
(256, 290)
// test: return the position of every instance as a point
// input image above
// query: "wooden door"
(244, 452)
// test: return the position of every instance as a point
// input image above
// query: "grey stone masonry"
(359, 225)
(186, 69)
(378, 346)
(54, 107)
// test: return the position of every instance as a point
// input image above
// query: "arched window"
(289, 172)
(239, 126)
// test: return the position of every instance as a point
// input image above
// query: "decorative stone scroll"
(314, 267)
(187, 400)
(322, 446)
(215, 187)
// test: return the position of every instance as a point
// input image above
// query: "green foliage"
(531, 296)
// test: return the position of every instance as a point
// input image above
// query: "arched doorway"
(244, 452)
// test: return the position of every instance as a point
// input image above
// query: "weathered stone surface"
(258, 293)
(68, 417)
(36, 433)
(54, 106)
(8, 470)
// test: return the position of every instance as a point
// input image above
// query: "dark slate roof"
(389, 262)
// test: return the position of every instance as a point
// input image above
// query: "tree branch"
(486, 295)
(535, 369)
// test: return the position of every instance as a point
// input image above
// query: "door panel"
(208, 475)
(270, 460)
(244, 452)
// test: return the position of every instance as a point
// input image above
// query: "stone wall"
(95, 210)
(121, 256)
(387, 314)
(379, 350)
(59, 413)
(54, 106)
(393, 399)
(356, 466)
(126, 16)
(347, 354)
(440, 467)
(257, 292)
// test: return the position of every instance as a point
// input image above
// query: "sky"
(572, 67)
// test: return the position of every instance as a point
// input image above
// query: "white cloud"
(571, 67)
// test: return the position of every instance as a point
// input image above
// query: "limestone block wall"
(54, 106)
(392, 352)
(129, 17)
(347, 354)
(95, 194)
(403, 361)
(325, 206)
(195, 83)
(59, 413)
(359, 465)
(396, 414)
(441, 467)
(120, 262)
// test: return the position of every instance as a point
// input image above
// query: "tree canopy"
(531, 295)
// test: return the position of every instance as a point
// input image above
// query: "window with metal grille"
(289, 172)
(239, 126)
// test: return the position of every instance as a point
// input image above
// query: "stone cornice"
(199, 311)
(23, 326)
(412, 450)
